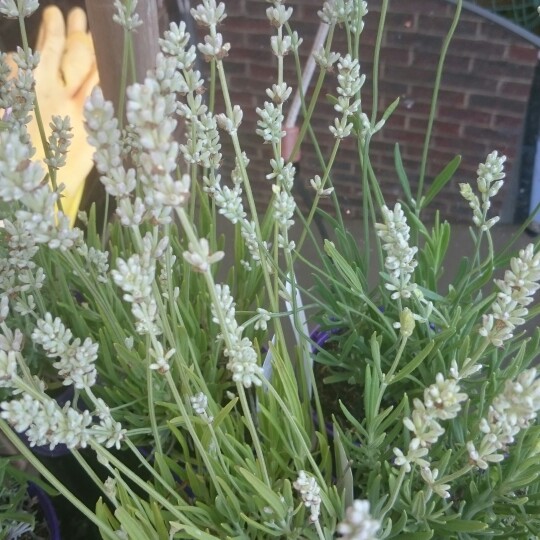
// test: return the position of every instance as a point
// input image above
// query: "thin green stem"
(315, 204)
(478, 354)
(188, 229)
(306, 124)
(320, 532)
(152, 408)
(253, 432)
(376, 58)
(395, 363)
(248, 191)
(107, 456)
(434, 102)
(151, 470)
(307, 451)
(123, 79)
(89, 471)
(202, 451)
(212, 93)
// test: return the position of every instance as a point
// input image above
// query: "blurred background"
(489, 98)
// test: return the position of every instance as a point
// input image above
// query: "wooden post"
(108, 42)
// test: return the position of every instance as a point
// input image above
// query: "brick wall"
(483, 99)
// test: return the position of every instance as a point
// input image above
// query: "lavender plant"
(175, 342)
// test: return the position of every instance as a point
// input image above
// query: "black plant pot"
(48, 510)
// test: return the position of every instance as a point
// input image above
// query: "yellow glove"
(65, 76)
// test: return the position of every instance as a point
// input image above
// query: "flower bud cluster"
(175, 44)
(309, 491)
(350, 12)
(490, 180)
(97, 261)
(229, 202)
(59, 141)
(105, 136)
(278, 14)
(442, 401)
(126, 15)
(199, 256)
(148, 111)
(348, 103)
(135, 276)
(45, 423)
(76, 364)
(161, 358)
(243, 359)
(209, 14)
(516, 290)
(326, 60)
(318, 187)
(22, 180)
(400, 262)
(270, 123)
(512, 411)
(19, 274)
(199, 402)
(231, 125)
(13, 9)
(203, 146)
(281, 44)
(17, 93)
(8, 368)
(284, 204)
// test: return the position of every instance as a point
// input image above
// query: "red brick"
(415, 6)
(465, 115)
(401, 135)
(416, 74)
(500, 104)
(519, 90)
(452, 63)
(470, 82)
(415, 41)
(477, 48)
(440, 25)
(496, 69)
(495, 32)
(447, 129)
(457, 145)
(512, 123)
(233, 9)
(526, 54)
(247, 24)
(446, 97)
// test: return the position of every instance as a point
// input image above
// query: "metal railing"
(522, 12)
(475, 6)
